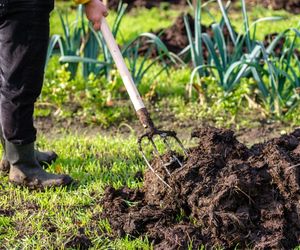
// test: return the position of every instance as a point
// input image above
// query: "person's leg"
(44, 158)
(23, 46)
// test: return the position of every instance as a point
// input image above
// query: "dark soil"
(225, 195)
(290, 5)
(79, 241)
(5, 212)
(176, 39)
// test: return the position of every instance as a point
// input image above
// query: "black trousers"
(24, 37)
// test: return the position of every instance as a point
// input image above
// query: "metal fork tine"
(170, 149)
(164, 135)
(176, 159)
(167, 143)
(152, 169)
(181, 146)
(158, 154)
(154, 146)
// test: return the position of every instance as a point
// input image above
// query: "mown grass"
(51, 219)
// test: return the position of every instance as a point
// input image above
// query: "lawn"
(62, 217)
(91, 125)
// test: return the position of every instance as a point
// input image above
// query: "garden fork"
(141, 111)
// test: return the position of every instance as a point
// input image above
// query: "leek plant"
(83, 45)
(138, 65)
(74, 44)
(277, 78)
(69, 43)
(280, 76)
(228, 66)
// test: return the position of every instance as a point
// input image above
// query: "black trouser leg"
(24, 39)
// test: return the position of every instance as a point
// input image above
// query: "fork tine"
(154, 146)
(151, 168)
(158, 154)
(164, 135)
(176, 159)
(170, 149)
(181, 145)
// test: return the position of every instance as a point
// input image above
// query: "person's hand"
(95, 10)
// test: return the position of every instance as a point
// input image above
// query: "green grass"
(47, 220)
(139, 21)
(288, 20)
(50, 219)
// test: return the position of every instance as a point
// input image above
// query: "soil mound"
(175, 37)
(225, 195)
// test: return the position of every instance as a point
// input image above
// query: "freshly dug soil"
(225, 195)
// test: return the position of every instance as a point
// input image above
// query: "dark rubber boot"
(45, 158)
(4, 164)
(26, 171)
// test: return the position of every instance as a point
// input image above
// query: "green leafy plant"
(280, 76)
(93, 53)
(140, 66)
(225, 64)
(69, 43)
(240, 55)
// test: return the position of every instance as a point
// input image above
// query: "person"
(24, 36)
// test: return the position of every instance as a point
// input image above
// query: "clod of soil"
(225, 195)
(79, 241)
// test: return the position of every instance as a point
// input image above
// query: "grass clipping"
(225, 195)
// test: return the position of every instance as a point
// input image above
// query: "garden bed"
(226, 195)
(176, 39)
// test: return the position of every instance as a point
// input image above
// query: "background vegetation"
(246, 87)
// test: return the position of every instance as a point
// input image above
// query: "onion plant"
(226, 65)
(278, 78)
(138, 65)
(86, 46)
